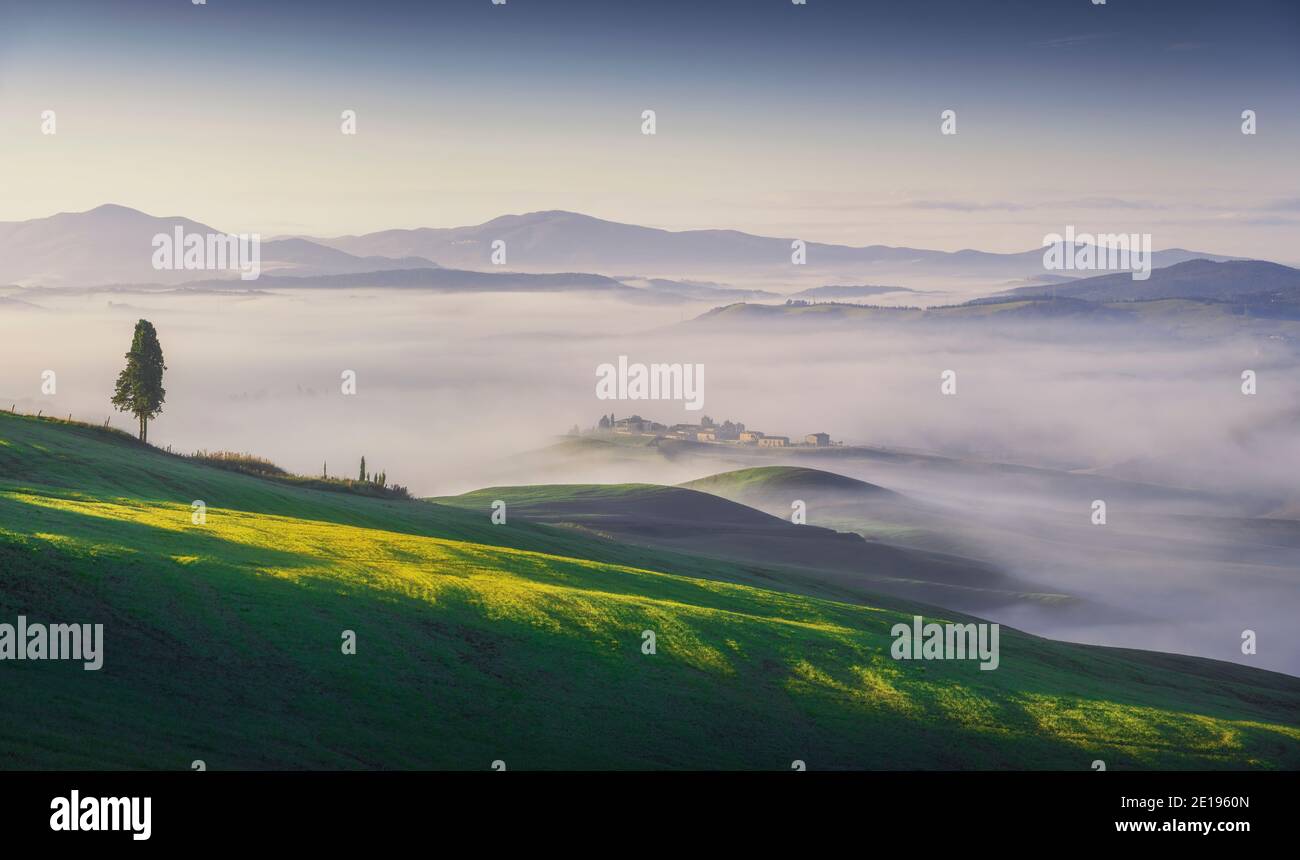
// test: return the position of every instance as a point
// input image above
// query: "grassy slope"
(809, 558)
(848, 505)
(768, 481)
(222, 643)
(835, 502)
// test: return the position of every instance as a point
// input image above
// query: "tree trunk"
(144, 429)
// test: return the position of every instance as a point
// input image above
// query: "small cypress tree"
(139, 387)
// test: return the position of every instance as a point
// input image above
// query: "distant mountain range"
(1190, 296)
(568, 241)
(113, 245)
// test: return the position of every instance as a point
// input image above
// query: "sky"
(820, 120)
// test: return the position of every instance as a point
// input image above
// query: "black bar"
(329, 809)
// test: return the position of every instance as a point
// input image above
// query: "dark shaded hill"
(784, 483)
(699, 523)
(1194, 279)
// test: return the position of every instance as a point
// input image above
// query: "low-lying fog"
(452, 388)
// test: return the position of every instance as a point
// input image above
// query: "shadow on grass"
(208, 659)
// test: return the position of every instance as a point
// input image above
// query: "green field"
(764, 482)
(516, 642)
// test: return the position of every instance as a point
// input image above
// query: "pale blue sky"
(819, 120)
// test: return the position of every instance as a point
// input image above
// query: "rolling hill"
(841, 503)
(1190, 295)
(843, 565)
(519, 642)
(767, 484)
(842, 293)
(1263, 313)
(1194, 279)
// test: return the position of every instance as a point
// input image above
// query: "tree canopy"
(139, 387)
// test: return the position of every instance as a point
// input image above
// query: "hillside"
(763, 483)
(1193, 279)
(841, 503)
(478, 642)
(846, 293)
(1258, 314)
(810, 558)
(1202, 297)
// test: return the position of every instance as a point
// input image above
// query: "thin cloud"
(1003, 206)
(1072, 41)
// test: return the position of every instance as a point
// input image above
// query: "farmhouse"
(635, 424)
(707, 431)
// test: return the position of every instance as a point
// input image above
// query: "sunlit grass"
(224, 643)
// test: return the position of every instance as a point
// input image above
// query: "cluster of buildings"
(708, 430)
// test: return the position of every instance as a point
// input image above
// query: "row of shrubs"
(104, 429)
(248, 464)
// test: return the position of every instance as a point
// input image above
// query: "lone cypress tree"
(139, 386)
(361, 475)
